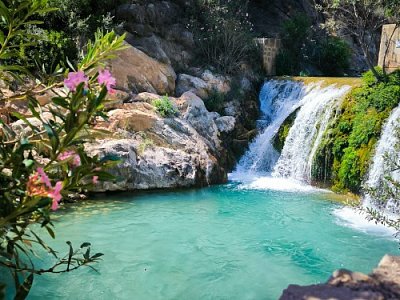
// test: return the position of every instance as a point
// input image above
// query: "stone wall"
(270, 48)
(390, 46)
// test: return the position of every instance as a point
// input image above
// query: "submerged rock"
(382, 284)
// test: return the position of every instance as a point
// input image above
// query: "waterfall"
(385, 160)
(306, 133)
(279, 99)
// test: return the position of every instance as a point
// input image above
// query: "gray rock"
(151, 45)
(161, 152)
(225, 124)
(383, 283)
(186, 83)
(204, 85)
(232, 108)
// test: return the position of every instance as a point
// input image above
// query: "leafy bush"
(334, 56)
(286, 63)
(344, 153)
(215, 101)
(303, 45)
(295, 32)
(46, 162)
(52, 47)
(164, 107)
(223, 35)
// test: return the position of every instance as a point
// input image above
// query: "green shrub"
(215, 101)
(303, 46)
(335, 54)
(164, 107)
(295, 32)
(286, 63)
(53, 48)
(223, 35)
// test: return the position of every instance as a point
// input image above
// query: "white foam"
(251, 182)
(355, 219)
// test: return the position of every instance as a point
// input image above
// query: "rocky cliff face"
(158, 29)
(156, 152)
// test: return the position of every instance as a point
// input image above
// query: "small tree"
(362, 19)
(223, 34)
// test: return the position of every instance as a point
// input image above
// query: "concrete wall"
(390, 44)
(270, 48)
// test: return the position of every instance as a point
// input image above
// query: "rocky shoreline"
(382, 284)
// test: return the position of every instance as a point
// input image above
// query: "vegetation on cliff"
(344, 154)
(307, 48)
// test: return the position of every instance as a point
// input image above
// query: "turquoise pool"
(235, 241)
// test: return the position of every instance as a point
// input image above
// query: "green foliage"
(286, 63)
(51, 48)
(334, 56)
(223, 35)
(165, 107)
(15, 17)
(80, 18)
(215, 101)
(303, 46)
(344, 153)
(295, 32)
(363, 20)
(46, 162)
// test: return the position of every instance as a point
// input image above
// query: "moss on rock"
(280, 137)
(344, 154)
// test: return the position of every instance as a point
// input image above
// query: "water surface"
(236, 241)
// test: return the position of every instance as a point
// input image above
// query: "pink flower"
(76, 160)
(95, 179)
(44, 178)
(39, 185)
(55, 195)
(74, 79)
(107, 79)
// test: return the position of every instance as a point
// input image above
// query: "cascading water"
(263, 168)
(380, 167)
(278, 100)
(306, 133)
(385, 160)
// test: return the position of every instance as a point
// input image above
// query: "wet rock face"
(382, 284)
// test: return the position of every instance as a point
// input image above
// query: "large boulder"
(156, 152)
(136, 71)
(203, 85)
(187, 83)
